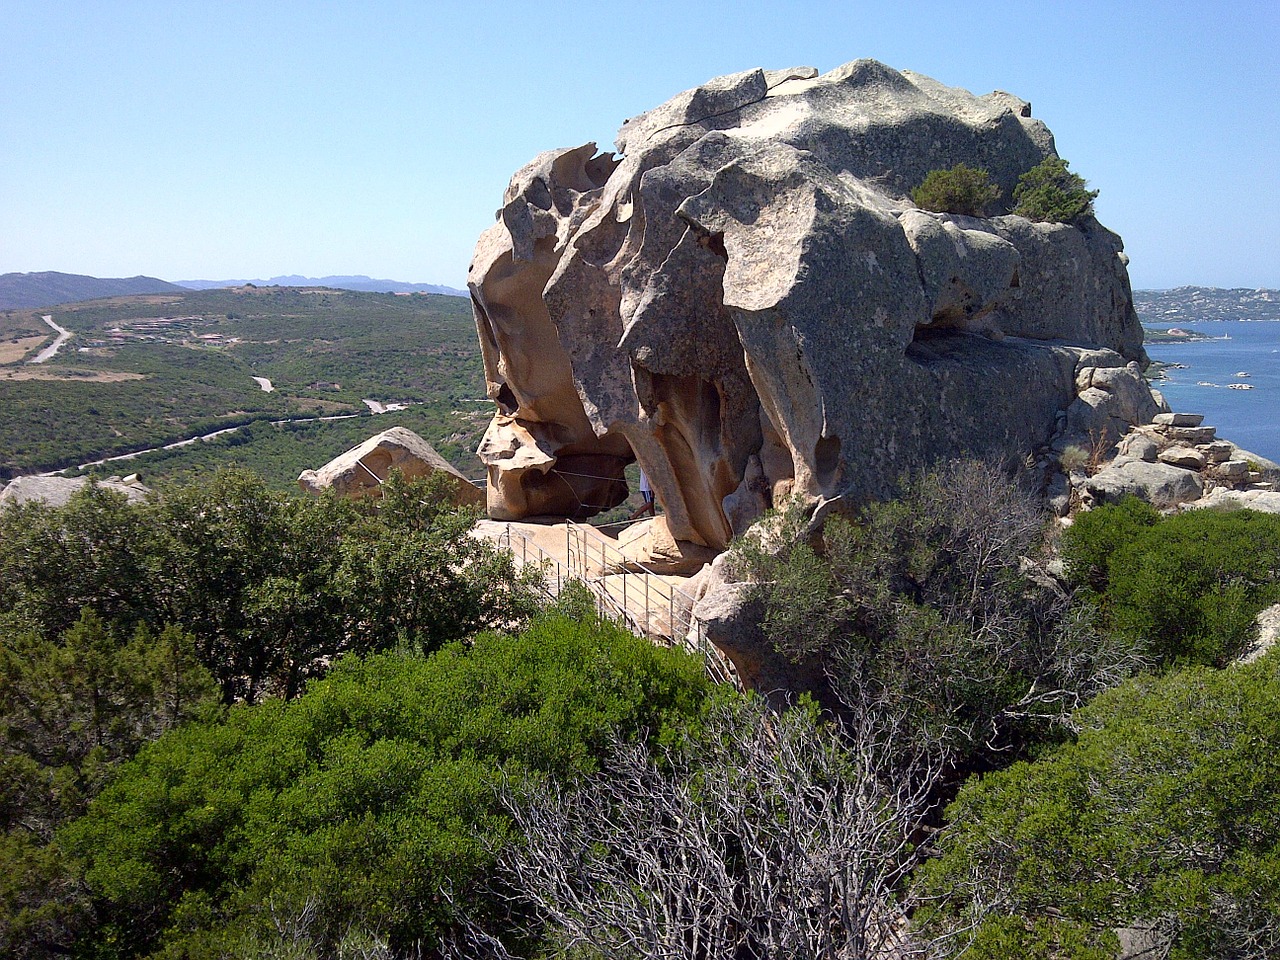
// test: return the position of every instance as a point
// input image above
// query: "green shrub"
(1186, 587)
(1072, 458)
(365, 798)
(962, 189)
(1167, 808)
(1089, 543)
(1191, 586)
(1049, 192)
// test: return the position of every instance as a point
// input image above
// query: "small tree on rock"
(962, 189)
(1051, 193)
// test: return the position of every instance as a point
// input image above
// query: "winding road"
(200, 438)
(48, 352)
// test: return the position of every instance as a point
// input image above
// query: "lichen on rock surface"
(748, 303)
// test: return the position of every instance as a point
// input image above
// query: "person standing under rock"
(646, 494)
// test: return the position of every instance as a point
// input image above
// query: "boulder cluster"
(1175, 461)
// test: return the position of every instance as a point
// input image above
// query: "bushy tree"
(1164, 814)
(961, 189)
(364, 798)
(71, 709)
(92, 553)
(1050, 192)
(271, 587)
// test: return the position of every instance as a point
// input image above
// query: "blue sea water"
(1248, 418)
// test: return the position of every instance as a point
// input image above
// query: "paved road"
(48, 352)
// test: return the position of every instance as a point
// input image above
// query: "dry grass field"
(12, 351)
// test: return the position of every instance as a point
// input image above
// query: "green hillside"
(145, 371)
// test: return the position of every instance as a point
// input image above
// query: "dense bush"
(962, 189)
(1095, 535)
(925, 606)
(1165, 813)
(71, 709)
(271, 587)
(1050, 192)
(1186, 587)
(122, 621)
(366, 799)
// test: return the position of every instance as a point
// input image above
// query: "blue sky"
(231, 139)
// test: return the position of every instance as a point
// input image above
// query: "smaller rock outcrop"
(1268, 625)
(56, 491)
(1174, 461)
(362, 470)
(730, 616)
(649, 545)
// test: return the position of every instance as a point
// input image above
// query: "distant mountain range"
(362, 283)
(25, 290)
(21, 290)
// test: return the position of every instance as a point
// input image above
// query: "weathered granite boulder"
(731, 618)
(1138, 446)
(1189, 458)
(649, 545)
(1225, 498)
(1159, 483)
(748, 303)
(56, 491)
(361, 470)
(1268, 625)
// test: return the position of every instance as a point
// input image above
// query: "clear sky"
(229, 139)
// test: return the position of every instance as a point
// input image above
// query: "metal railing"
(625, 591)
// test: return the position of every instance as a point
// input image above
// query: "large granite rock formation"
(747, 302)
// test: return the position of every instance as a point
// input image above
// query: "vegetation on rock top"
(1051, 193)
(961, 189)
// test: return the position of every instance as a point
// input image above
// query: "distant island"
(1187, 304)
(1172, 335)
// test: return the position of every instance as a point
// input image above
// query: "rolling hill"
(24, 290)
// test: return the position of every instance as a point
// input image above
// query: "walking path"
(649, 604)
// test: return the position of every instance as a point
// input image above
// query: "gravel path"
(48, 352)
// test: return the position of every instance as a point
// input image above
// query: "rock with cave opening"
(747, 302)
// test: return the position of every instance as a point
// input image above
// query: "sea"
(1245, 352)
